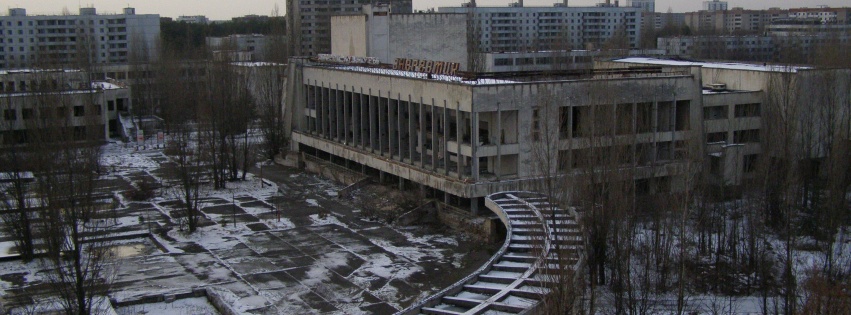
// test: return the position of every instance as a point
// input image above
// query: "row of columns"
(392, 127)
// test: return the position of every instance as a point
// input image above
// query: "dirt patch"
(384, 203)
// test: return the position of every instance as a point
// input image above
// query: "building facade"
(89, 37)
(240, 47)
(462, 139)
(43, 99)
(715, 5)
(645, 5)
(739, 101)
(309, 22)
(518, 28)
(193, 19)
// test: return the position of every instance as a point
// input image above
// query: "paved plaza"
(295, 247)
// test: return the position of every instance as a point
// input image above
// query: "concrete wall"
(425, 91)
(603, 91)
(348, 35)
(439, 37)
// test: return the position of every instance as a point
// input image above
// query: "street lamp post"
(233, 206)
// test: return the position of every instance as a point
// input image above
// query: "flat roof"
(713, 65)
(505, 78)
(422, 75)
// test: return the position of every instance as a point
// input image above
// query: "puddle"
(133, 250)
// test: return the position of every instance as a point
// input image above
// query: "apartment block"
(309, 21)
(519, 28)
(89, 37)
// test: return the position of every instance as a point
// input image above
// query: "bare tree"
(67, 163)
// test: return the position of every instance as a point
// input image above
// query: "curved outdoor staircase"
(543, 245)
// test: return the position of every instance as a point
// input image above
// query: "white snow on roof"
(17, 71)
(257, 64)
(422, 75)
(99, 85)
(713, 65)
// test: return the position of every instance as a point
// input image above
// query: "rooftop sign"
(427, 66)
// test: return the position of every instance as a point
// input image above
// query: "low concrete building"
(239, 47)
(738, 97)
(38, 99)
(462, 139)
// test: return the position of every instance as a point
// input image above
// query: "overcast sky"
(226, 9)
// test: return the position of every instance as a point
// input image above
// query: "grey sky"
(225, 9)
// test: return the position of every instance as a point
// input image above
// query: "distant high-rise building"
(715, 5)
(84, 38)
(646, 5)
(515, 28)
(195, 19)
(309, 21)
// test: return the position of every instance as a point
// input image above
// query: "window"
(746, 136)
(749, 163)
(10, 114)
(683, 118)
(716, 137)
(644, 119)
(747, 110)
(525, 61)
(536, 125)
(503, 62)
(79, 111)
(27, 113)
(715, 112)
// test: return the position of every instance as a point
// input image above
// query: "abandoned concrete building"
(738, 98)
(462, 139)
(32, 98)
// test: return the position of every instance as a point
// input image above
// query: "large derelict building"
(29, 40)
(462, 139)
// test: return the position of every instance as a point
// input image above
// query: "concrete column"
(381, 177)
(498, 167)
(474, 205)
(444, 135)
(341, 116)
(372, 122)
(434, 147)
(333, 119)
(474, 144)
(356, 107)
(347, 119)
(326, 122)
(317, 108)
(458, 129)
(446, 198)
(381, 126)
(410, 130)
(363, 111)
(421, 133)
(310, 99)
(401, 183)
(399, 125)
(392, 122)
